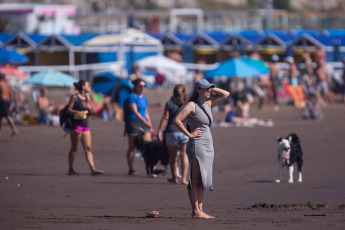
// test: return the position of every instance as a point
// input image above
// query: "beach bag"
(67, 122)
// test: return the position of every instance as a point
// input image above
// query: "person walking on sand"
(322, 80)
(200, 144)
(137, 118)
(175, 140)
(6, 100)
(80, 106)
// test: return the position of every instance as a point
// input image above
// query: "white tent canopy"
(173, 71)
(128, 41)
(129, 37)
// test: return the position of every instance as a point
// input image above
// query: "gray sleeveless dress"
(201, 147)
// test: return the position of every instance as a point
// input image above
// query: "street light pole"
(269, 11)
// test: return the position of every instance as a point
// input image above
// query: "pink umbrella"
(13, 72)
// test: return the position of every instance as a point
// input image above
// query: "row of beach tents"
(133, 45)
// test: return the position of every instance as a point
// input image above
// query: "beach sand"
(36, 192)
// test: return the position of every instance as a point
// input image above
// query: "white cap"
(290, 60)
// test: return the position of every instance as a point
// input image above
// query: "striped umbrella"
(13, 72)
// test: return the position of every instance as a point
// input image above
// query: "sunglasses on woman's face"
(207, 89)
(142, 86)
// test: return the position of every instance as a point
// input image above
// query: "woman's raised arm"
(222, 95)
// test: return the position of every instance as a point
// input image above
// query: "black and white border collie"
(289, 152)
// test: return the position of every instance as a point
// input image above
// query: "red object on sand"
(13, 71)
(152, 214)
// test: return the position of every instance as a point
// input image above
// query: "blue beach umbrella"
(104, 83)
(242, 67)
(51, 78)
(12, 56)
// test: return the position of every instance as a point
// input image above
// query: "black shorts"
(134, 127)
(5, 108)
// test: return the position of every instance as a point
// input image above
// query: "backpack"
(126, 108)
(67, 122)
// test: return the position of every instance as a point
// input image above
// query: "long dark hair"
(179, 95)
(79, 85)
(194, 97)
(136, 82)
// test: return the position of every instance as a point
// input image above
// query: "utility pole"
(269, 12)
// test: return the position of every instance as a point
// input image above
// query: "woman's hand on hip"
(196, 133)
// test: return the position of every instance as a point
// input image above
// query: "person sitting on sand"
(46, 107)
(102, 105)
(240, 115)
(80, 106)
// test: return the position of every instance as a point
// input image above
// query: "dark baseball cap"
(203, 84)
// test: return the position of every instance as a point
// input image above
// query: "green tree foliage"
(3, 25)
(255, 3)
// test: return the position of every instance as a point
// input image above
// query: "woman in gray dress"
(200, 145)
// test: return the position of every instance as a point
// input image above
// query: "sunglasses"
(142, 86)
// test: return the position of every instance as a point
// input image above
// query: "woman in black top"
(80, 107)
(175, 139)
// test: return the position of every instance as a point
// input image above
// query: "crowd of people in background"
(273, 88)
(310, 73)
(284, 79)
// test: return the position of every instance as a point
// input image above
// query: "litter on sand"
(152, 214)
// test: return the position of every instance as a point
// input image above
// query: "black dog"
(289, 152)
(152, 153)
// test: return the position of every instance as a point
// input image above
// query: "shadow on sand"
(262, 181)
(130, 217)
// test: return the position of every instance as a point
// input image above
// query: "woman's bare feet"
(184, 182)
(200, 215)
(208, 216)
(72, 173)
(172, 180)
(96, 172)
(15, 133)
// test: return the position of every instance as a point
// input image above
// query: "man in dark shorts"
(6, 99)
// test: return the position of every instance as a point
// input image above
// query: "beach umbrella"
(13, 72)
(160, 64)
(51, 78)
(104, 83)
(242, 67)
(12, 56)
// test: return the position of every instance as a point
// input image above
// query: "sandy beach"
(36, 192)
